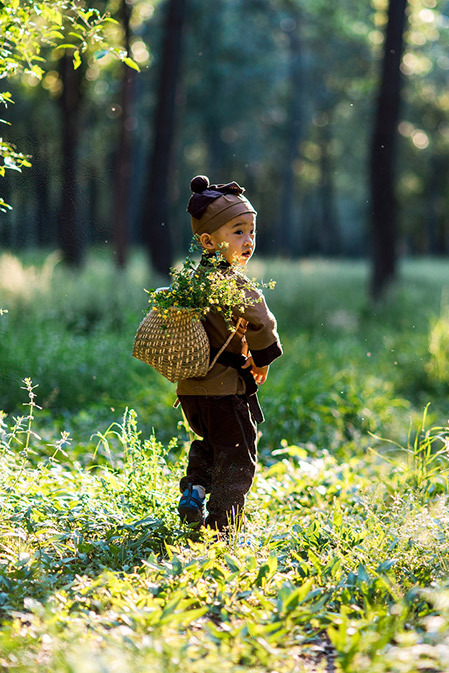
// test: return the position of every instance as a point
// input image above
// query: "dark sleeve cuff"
(267, 355)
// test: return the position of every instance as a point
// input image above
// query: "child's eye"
(239, 232)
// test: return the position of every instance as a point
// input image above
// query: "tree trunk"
(44, 218)
(437, 244)
(383, 151)
(156, 230)
(284, 234)
(330, 240)
(213, 109)
(124, 167)
(69, 234)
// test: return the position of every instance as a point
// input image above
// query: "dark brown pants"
(224, 460)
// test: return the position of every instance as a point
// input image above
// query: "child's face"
(236, 239)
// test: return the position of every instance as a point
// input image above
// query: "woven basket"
(176, 344)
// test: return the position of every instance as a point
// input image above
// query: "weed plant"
(344, 555)
(339, 560)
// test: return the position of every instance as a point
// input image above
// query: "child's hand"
(259, 373)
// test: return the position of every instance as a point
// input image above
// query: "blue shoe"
(191, 507)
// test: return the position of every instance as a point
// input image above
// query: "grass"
(345, 553)
(346, 364)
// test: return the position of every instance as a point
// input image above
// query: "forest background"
(278, 95)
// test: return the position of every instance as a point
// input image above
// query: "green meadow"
(342, 564)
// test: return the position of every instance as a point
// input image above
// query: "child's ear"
(207, 242)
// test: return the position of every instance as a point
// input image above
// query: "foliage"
(438, 365)
(63, 24)
(345, 552)
(210, 285)
(427, 459)
(26, 28)
(247, 46)
(339, 559)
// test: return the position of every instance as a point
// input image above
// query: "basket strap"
(226, 343)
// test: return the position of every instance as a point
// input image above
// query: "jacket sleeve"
(261, 335)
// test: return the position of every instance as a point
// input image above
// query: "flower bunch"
(213, 284)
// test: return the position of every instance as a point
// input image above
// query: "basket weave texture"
(175, 344)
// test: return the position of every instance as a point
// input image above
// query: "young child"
(222, 407)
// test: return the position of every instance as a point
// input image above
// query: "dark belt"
(236, 361)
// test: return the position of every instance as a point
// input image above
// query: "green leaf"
(337, 516)
(386, 565)
(5, 98)
(99, 54)
(66, 45)
(55, 33)
(86, 15)
(362, 575)
(131, 64)
(37, 71)
(232, 565)
(11, 165)
(76, 60)
(263, 571)
(4, 207)
(272, 562)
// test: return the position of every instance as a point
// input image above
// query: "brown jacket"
(257, 335)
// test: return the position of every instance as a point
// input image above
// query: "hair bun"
(199, 184)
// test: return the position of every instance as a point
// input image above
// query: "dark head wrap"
(211, 206)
